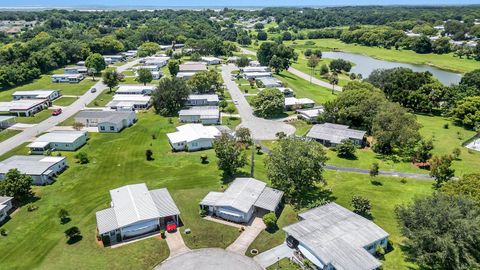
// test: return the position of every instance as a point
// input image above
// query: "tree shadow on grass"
(229, 178)
(376, 182)
(75, 239)
(315, 197)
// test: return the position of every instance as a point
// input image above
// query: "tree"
(441, 232)
(317, 53)
(286, 35)
(440, 169)
(422, 152)
(64, 216)
(307, 52)
(283, 55)
(268, 103)
(262, 35)
(374, 169)
(170, 96)
(149, 155)
(144, 76)
(468, 185)
(295, 167)
(243, 135)
(270, 221)
(148, 48)
(243, 61)
(346, 149)
(340, 64)
(421, 44)
(258, 26)
(361, 206)
(467, 112)
(324, 69)
(205, 82)
(78, 125)
(111, 78)
(265, 53)
(173, 67)
(16, 185)
(95, 63)
(276, 63)
(243, 38)
(229, 154)
(471, 79)
(82, 157)
(312, 64)
(441, 46)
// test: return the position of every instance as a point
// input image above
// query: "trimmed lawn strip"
(7, 133)
(231, 122)
(301, 65)
(102, 99)
(64, 101)
(284, 264)
(37, 118)
(304, 89)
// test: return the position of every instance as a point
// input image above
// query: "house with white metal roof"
(63, 140)
(150, 68)
(67, 78)
(75, 70)
(42, 169)
(193, 67)
(193, 137)
(124, 102)
(5, 206)
(270, 82)
(310, 114)
(6, 121)
(293, 103)
(112, 59)
(135, 89)
(332, 134)
(159, 61)
(256, 69)
(210, 60)
(202, 100)
(207, 115)
(333, 237)
(36, 94)
(24, 107)
(136, 211)
(106, 121)
(256, 75)
(241, 200)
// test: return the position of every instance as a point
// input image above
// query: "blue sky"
(196, 3)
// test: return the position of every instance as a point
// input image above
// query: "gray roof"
(337, 236)
(270, 81)
(243, 193)
(4, 199)
(134, 203)
(208, 97)
(61, 136)
(31, 165)
(202, 111)
(334, 133)
(6, 117)
(105, 116)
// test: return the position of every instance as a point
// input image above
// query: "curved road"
(302, 75)
(67, 112)
(261, 129)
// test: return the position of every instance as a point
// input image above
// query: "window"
(194, 144)
(112, 128)
(102, 128)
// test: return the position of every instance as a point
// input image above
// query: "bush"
(203, 212)
(204, 158)
(3, 232)
(32, 207)
(162, 233)
(445, 126)
(346, 149)
(361, 206)
(270, 221)
(82, 158)
(379, 251)
(73, 234)
(149, 155)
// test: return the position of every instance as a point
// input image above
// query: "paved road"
(271, 256)
(68, 111)
(261, 129)
(302, 75)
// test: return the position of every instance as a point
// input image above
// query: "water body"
(366, 64)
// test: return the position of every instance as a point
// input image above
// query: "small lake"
(366, 64)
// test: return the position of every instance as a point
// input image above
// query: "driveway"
(68, 111)
(246, 238)
(175, 244)
(261, 129)
(271, 256)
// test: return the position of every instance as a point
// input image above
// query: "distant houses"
(207, 115)
(5, 206)
(67, 78)
(106, 121)
(202, 100)
(159, 61)
(42, 169)
(6, 121)
(332, 134)
(63, 140)
(270, 82)
(136, 212)
(36, 94)
(333, 237)
(244, 198)
(129, 102)
(193, 137)
(112, 59)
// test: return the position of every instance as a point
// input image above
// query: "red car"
(171, 226)
(57, 111)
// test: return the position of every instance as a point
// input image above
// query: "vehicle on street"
(93, 90)
(57, 111)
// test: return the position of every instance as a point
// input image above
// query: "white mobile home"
(292, 103)
(135, 89)
(36, 94)
(243, 198)
(193, 67)
(75, 70)
(211, 60)
(159, 61)
(255, 69)
(270, 82)
(5, 206)
(24, 107)
(64, 140)
(150, 68)
(256, 75)
(330, 134)
(106, 121)
(207, 115)
(203, 100)
(67, 78)
(112, 59)
(124, 102)
(42, 169)
(193, 137)
(310, 114)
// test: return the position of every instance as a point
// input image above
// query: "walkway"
(261, 129)
(68, 111)
(175, 243)
(271, 256)
(302, 75)
(247, 237)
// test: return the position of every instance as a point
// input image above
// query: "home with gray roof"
(333, 237)
(136, 212)
(5, 206)
(135, 89)
(293, 103)
(42, 169)
(24, 107)
(207, 115)
(241, 200)
(106, 121)
(310, 114)
(75, 70)
(202, 100)
(63, 140)
(67, 78)
(36, 94)
(270, 82)
(330, 134)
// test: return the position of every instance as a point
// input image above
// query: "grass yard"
(37, 118)
(304, 89)
(231, 122)
(301, 126)
(116, 160)
(301, 65)
(284, 264)
(443, 61)
(64, 101)
(7, 133)
(102, 99)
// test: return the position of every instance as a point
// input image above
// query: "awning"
(229, 213)
(310, 256)
(38, 144)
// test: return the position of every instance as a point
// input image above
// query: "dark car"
(292, 242)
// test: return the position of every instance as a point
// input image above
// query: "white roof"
(289, 101)
(210, 58)
(134, 99)
(257, 74)
(255, 69)
(311, 112)
(193, 132)
(130, 88)
(209, 98)
(67, 76)
(193, 67)
(36, 93)
(270, 80)
(31, 165)
(334, 133)
(134, 203)
(6, 117)
(185, 74)
(20, 105)
(59, 136)
(202, 111)
(337, 236)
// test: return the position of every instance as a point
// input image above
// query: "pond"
(366, 64)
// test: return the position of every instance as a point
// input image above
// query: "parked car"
(93, 90)
(171, 226)
(57, 111)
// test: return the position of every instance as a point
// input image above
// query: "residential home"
(24, 107)
(67, 78)
(36, 94)
(157, 75)
(202, 100)
(75, 70)
(193, 137)
(207, 115)
(159, 61)
(192, 67)
(130, 54)
(172, 46)
(135, 89)
(63, 140)
(123, 102)
(287, 92)
(6, 121)
(270, 82)
(211, 60)
(136, 212)
(332, 134)
(310, 114)
(255, 69)
(5, 206)
(256, 75)
(254, 63)
(244, 198)
(293, 103)
(81, 63)
(112, 59)
(42, 169)
(333, 237)
(106, 121)
(150, 68)
(185, 75)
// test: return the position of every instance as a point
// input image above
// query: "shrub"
(149, 155)
(162, 234)
(73, 234)
(346, 149)
(204, 158)
(374, 169)
(203, 212)
(270, 221)
(456, 153)
(31, 207)
(361, 206)
(82, 158)
(64, 216)
(445, 126)
(3, 232)
(403, 180)
(379, 251)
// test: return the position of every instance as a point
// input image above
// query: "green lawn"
(64, 101)
(301, 65)
(7, 133)
(304, 89)
(231, 122)
(301, 126)
(37, 118)
(116, 160)
(284, 264)
(102, 99)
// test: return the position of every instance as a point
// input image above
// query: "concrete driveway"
(246, 238)
(175, 244)
(271, 256)
(261, 129)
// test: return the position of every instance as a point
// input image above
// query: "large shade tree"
(170, 96)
